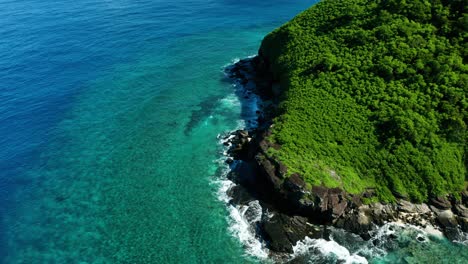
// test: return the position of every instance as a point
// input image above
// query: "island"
(363, 120)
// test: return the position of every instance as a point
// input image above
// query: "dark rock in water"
(239, 195)
(453, 233)
(283, 231)
(243, 174)
(375, 242)
(229, 161)
(240, 145)
(420, 238)
(243, 133)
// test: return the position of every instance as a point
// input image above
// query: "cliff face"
(373, 96)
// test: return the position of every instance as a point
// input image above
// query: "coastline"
(292, 214)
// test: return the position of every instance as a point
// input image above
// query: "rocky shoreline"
(291, 211)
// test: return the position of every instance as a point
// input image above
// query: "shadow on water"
(203, 110)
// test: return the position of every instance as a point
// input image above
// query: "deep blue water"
(109, 116)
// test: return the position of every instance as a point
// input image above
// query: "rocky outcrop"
(283, 231)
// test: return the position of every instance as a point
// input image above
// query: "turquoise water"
(109, 116)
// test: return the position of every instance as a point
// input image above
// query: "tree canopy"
(374, 95)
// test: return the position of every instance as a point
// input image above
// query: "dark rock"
(405, 206)
(282, 169)
(441, 202)
(447, 219)
(355, 201)
(464, 199)
(239, 195)
(380, 213)
(243, 174)
(328, 204)
(229, 161)
(358, 221)
(400, 195)
(463, 222)
(338, 205)
(453, 233)
(369, 193)
(461, 210)
(269, 172)
(320, 195)
(243, 133)
(283, 231)
(294, 183)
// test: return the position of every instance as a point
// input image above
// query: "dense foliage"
(374, 96)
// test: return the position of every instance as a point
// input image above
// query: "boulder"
(381, 212)
(328, 203)
(356, 221)
(282, 232)
(239, 195)
(447, 219)
(405, 206)
(337, 203)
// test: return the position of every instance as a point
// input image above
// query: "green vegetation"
(374, 96)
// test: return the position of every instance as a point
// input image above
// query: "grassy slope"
(374, 95)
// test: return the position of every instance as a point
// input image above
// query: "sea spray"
(242, 218)
(323, 251)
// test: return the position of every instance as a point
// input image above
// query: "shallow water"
(109, 116)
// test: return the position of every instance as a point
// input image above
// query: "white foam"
(230, 101)
(243, 227)
(242, 220)
(326, 248)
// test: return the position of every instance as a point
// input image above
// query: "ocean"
(110, 114)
